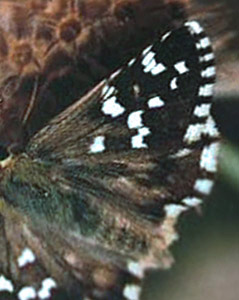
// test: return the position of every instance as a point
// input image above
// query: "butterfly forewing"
(108, 177)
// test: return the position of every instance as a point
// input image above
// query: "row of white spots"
(132, 292)
(181, 68)
(137, 141)
(110, 106)
(47, 285)
(196, 29)
(135, 121)
(27, 257)
(149, 57)
(196, 131)
(27, 293)
(208, 162)
(208, 159)
(150, 64)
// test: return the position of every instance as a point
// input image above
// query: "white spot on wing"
(105, 90)
(150, 66)
(155, 102)
(135, 269)
(195, 131)
(181, 67)
(205, 42)
(116, 73)
(27, 257)
(202, 110)
(98, 145)
(45, 291)
(192, 201)
(27, 293)
(203, 186)
(182, 153)
(209, 72)
(137, 141)
(108, 91)
(159, 68)
(207, 57)
(209, 156)
(198, 46)
(6, 285)
(131, 62)
(206, 90)
(194, 26)
(136, 89)
(135, 119)
(112, 108)
(167, 34)
(148, 58)
(174, 210)
(146, 50)
(173, 84)
(211, 128)
(132, 292)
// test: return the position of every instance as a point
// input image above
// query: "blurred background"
(207, 253)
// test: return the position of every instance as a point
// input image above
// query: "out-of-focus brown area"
(207, 254)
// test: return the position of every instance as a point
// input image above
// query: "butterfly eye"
(69, 30)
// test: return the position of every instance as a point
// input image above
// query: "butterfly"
(92, 202)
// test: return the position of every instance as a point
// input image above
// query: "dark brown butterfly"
(93, 200)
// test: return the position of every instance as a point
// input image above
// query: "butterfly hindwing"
(104, 182)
